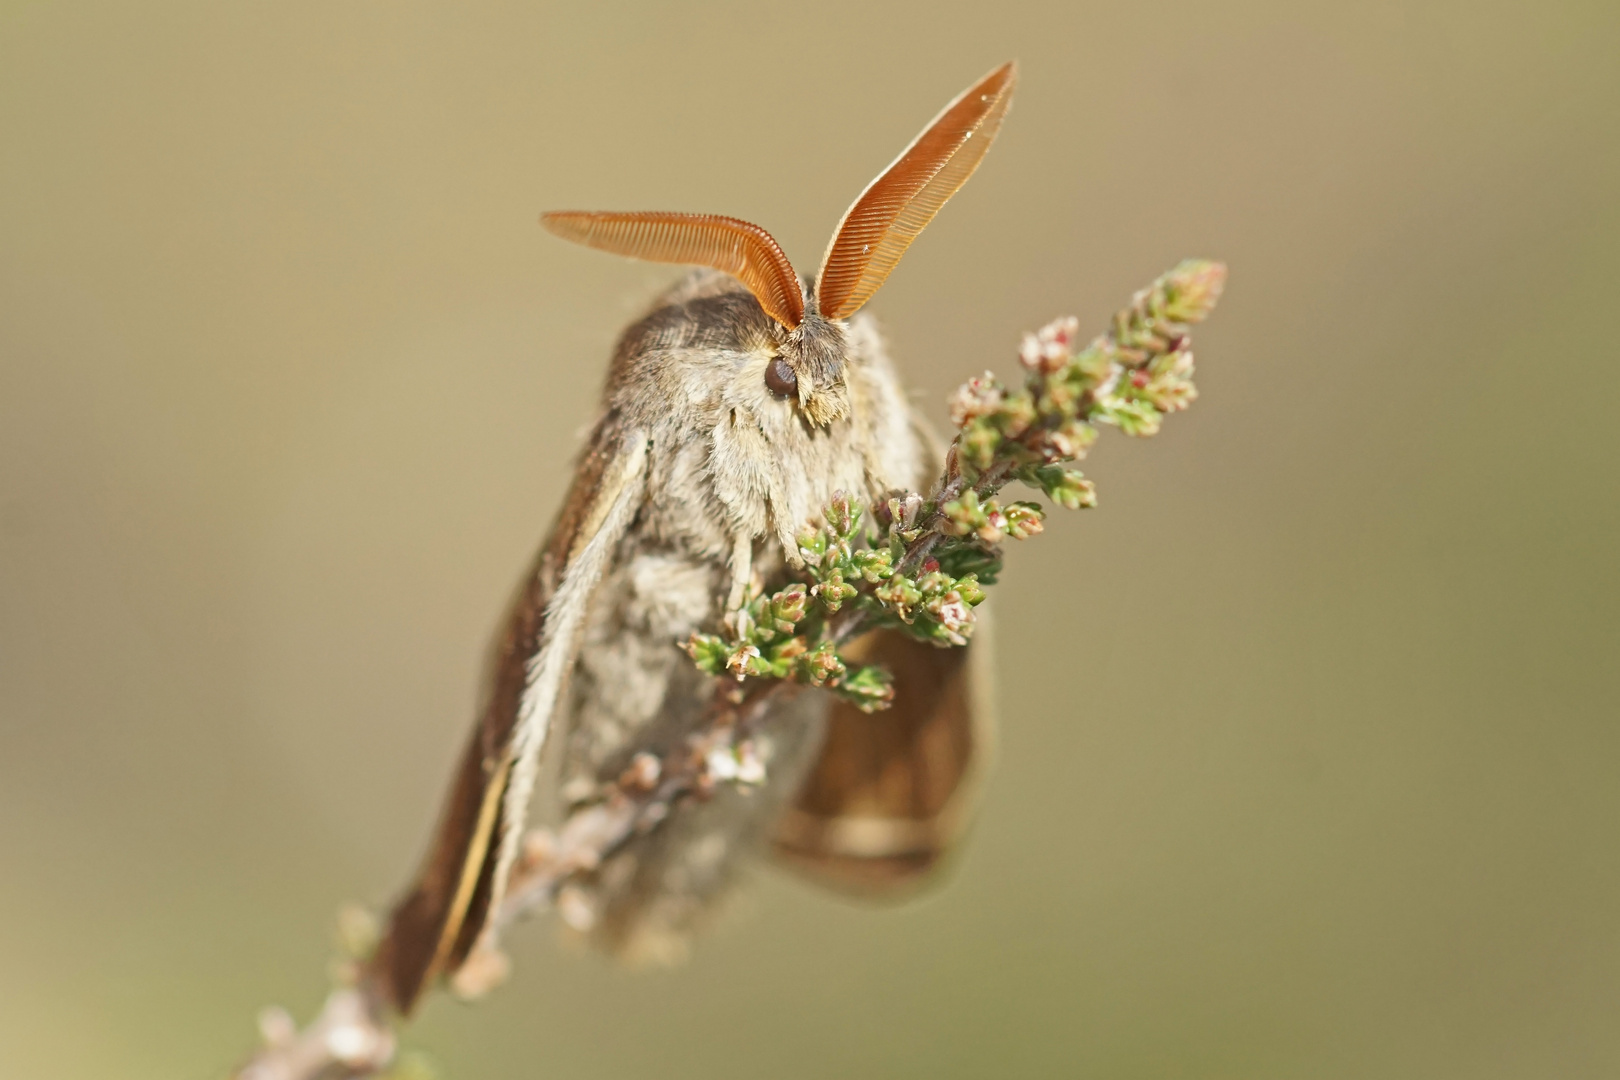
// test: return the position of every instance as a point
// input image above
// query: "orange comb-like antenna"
(745, 251)
(895, 207)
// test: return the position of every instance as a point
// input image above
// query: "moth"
(733, 410)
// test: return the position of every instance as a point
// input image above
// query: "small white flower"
(750, 766)
(352, 1044)
(1029, 351)
(276, 1026)
(722, 764)
(576, 908)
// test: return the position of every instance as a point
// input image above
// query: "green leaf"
(1066, 487)
(1132, 416)
(962, 559)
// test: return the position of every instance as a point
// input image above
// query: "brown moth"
(733, 411)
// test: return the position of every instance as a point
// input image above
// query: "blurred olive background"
(1309, 741)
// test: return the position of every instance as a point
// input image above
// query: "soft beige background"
(1313, 771)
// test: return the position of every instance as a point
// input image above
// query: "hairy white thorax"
(732, 472)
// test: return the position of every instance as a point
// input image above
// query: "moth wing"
(434, 926)
(893, 791)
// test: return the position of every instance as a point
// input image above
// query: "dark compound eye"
(780, 378)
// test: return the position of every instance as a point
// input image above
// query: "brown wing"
(894, 208)
(892, 791)
(740, 248)
(432, 928)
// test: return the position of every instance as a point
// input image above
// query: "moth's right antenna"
(896, 206)
(741, 249)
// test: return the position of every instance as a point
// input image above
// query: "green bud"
(968, 586)
(1095, 364)
(787, 607)
(708, 652)
(812, 543)
(1015, 415)
(1066, 487)
(843, 515)
(1061, 393)
(820, 666)
(964, 515)
(1191, 290)
(832, 591)
(1071, 440)
(1166, 382)
(978, 444)
(867, 688)
(899, 596)
(781, 659)
(1133, 417)
(1024, 519)
(874, 565)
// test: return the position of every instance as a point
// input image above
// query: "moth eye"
(780, 378)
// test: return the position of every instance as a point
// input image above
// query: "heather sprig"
(785, 635)
(920, 565)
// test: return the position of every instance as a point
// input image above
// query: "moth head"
(809, 369)
(866, 246)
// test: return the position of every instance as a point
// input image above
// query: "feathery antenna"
(899, 204)
(741, 249)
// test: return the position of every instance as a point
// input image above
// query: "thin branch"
(350, 1037)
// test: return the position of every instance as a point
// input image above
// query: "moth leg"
(742, 569)
(787, 536)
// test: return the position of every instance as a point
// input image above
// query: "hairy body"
(733, 471)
